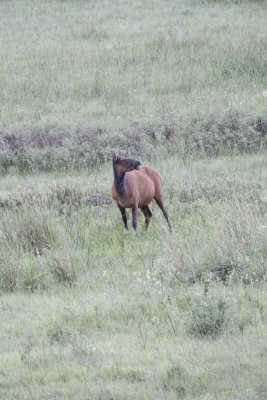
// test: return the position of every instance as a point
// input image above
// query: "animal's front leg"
(124, 216)
(135, 214)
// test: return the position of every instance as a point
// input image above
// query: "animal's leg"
(147, 213)
(135, 214)
(165, 213)
(124, 216)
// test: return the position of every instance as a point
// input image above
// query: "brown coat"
(135, 187)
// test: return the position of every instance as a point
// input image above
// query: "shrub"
(222, 269)
(54, 149)
(208, 316)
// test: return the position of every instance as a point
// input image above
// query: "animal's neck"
(119, 180)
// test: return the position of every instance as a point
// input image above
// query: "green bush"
(208, 316)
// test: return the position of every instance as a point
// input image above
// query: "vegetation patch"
(209, 316)
(56, 149)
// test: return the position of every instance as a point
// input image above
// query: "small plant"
(57, 333)
(175, 379)
(9, 269)
(208, 316)
(61, 265)
(222, 269)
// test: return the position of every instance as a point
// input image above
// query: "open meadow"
(88, 310)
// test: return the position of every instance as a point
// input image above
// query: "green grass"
(90, 311)
(87, 310)
(113, 63)
(89, 344)
(94, 78)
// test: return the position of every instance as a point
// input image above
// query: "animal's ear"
(115, 157)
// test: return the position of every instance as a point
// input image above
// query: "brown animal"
(135, 187)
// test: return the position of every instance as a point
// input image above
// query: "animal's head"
(123, 164)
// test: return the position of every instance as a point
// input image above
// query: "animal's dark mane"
(119, 181)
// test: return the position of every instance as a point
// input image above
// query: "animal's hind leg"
(124, 216)
(135, 214)
(147, 213)
(165, 213)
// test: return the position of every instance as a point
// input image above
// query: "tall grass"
(219, 231)
(143, 315)
(80, 81)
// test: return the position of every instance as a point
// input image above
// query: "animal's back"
(143, 184)
(155, 177)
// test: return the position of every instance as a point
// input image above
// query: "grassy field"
(80, 80)
(88, 310)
